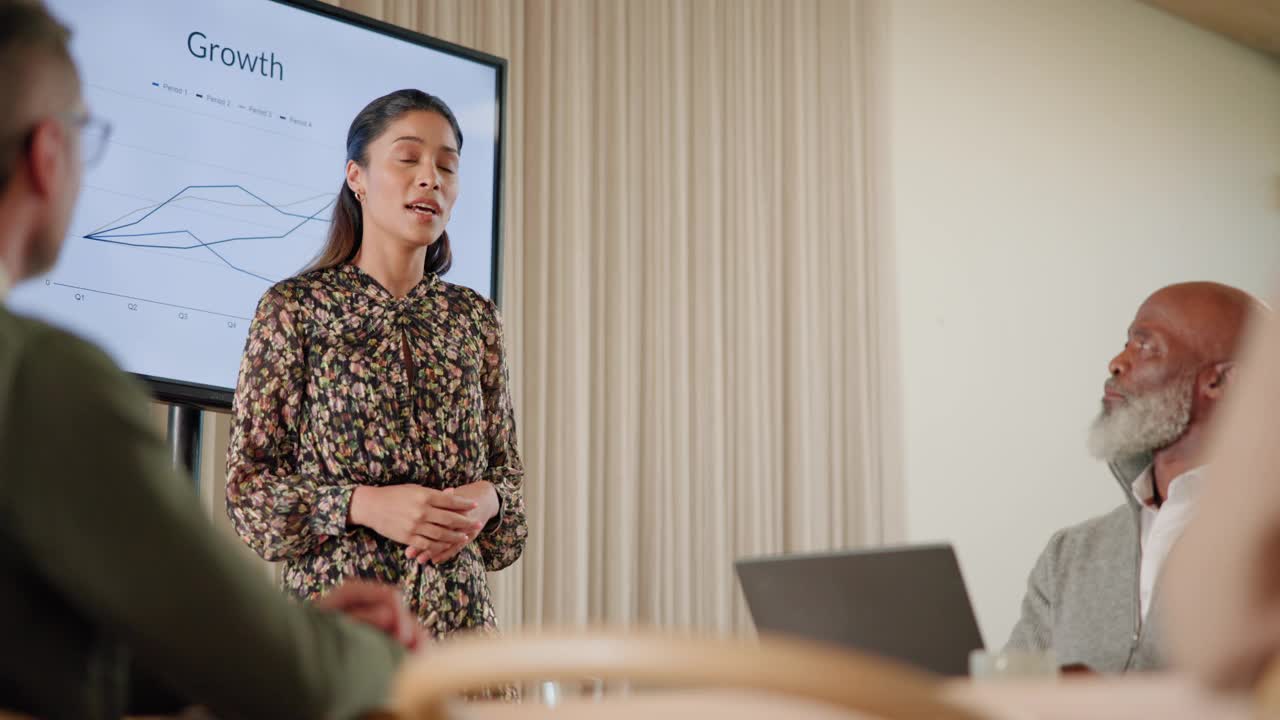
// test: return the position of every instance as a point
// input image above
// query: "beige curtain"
(690, 289)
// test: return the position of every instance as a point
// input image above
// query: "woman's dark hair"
(347, 229)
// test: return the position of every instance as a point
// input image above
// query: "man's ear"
(1217, 378)
(45, 157)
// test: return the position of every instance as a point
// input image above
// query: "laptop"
(907, 603)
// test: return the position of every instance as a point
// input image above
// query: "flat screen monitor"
(226, 154)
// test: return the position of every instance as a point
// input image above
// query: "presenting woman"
(374, 434)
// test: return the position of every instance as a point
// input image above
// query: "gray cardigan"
(1082, 596)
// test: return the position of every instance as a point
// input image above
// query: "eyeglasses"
(94, 134)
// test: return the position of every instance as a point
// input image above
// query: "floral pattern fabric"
(341, 385)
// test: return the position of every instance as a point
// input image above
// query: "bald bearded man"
(1093, 595)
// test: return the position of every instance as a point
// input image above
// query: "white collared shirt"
(1161, 527)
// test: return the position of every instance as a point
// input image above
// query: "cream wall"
(1051, 163)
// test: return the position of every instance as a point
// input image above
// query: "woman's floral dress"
(342, 385)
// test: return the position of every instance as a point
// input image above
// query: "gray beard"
(1143, 424)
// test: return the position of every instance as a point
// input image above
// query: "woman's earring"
(360, 197)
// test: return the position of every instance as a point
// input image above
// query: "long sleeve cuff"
(495, 522)
(329, 510)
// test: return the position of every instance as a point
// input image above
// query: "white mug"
(1005, 664)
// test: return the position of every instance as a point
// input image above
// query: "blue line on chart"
(102, 237)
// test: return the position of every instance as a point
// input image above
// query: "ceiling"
(1255, 23)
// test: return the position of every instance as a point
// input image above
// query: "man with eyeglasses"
(115, 591)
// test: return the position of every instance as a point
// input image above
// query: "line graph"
(189, 200)
(113, 236)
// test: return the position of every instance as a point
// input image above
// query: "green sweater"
(110, 572)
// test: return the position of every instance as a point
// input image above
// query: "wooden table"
(1151, 696)
(1165, 697)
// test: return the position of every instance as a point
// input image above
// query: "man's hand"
(376, 604)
